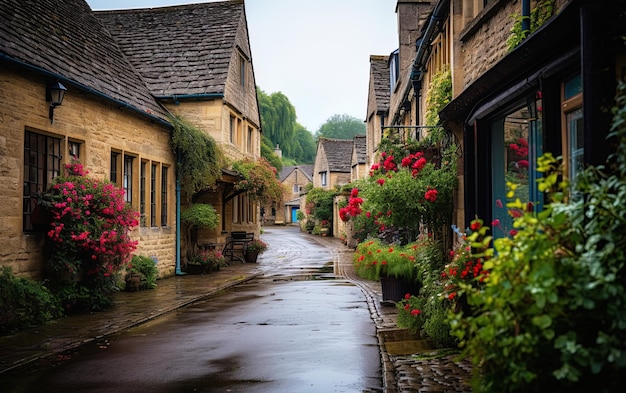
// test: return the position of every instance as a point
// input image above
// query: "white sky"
(316, 52)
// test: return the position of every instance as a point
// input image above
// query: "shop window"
(516, 142)
(142, 193)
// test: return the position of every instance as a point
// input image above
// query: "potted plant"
(325, 227)
(253, 249)
(396, 267)
(205, 261)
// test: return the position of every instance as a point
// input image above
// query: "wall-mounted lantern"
(54, 94)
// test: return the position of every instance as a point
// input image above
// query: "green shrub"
(551, 315)
(147, 270)
(24, 303)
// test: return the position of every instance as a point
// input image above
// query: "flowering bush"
(89, 233)
(209, 259)
(260, 180)
(353, 209)
(257, 245)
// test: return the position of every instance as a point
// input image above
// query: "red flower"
(407, 296)
(354, 193)
(431, 195)
(415, 312)
(380, 181)
(513, 232)
(495, 223)
(475, 225)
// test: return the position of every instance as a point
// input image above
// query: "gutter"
(440, 12)
(90, 90)
(176, 98)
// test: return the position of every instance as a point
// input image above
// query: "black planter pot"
(251, 256)
(394, 289)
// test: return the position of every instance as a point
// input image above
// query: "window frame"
(47, 166)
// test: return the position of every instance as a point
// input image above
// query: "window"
(153, 195)
(128, 179)
(250, 136)
(164, 196)
(73, 149)
(233, 124)
(142, 194)
(114, 167)
(296, 188)
(323, 178)
(242, 71)
(393, 69)
(516, 139)
(42, 163)
(572, 136)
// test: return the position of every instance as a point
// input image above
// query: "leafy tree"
(308, 147)
(341, 127)
(260, 180)
(278, 117)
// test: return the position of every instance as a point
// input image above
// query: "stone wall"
(99, 127)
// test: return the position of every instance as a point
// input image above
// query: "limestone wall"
(98, 127)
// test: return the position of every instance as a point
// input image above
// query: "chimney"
(278, 152)
(412, 14)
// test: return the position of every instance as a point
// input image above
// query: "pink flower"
(380, 181)
(495, 223)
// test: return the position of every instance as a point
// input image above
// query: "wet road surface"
(298, 328)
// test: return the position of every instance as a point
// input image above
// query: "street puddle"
(402, 342)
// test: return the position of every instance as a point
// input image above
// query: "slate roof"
(65, 41)
(379, 70)
(306, 169)
(180, 50)
(338, 154)
(360, 146)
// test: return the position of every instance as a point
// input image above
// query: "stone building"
(377, 104)
(509, 104)
(115, 113)
(201, 69)
(332, 165)
(294, 179)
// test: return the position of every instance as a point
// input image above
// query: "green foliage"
(24, 303)
(319, 203)
(201, 215)
(300, 216)
(374, 259)
(267, 152)
(341, 127)
(551, 315)
(278, 117)
(260, 180)
(543, 11)
(439, 95)
(147, 270)
(200, 159)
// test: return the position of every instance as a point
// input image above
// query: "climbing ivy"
(538, 16)
(200, 159)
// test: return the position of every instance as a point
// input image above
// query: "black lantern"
(54, 95)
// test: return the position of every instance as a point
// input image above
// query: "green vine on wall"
(543, 11)
(438, 96)
(200, 158)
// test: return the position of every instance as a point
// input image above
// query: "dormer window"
(393, 69)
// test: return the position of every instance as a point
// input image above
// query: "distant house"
(196, 61)
(125, 73)
(332, 165)
(358, 163)
(294, 180)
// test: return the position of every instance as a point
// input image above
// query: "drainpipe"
(525, 17)
(178, 271)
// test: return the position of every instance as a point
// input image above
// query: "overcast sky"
(316, 52)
